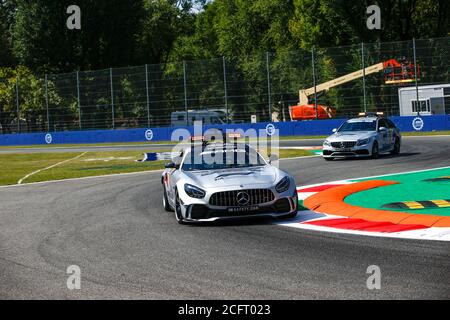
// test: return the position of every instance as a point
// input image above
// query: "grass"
(419, 134)
(16, 166)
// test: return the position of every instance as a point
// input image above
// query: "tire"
(375, 150)
(289, 216)
(166, 204)
(329, 159)
(177, 210)
(397, 146)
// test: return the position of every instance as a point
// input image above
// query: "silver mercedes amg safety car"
(220, 181)
(365, 136)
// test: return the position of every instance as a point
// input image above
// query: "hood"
(351, 136)
(246, 177)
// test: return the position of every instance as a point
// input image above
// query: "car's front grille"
(231, 199)
(343, 144)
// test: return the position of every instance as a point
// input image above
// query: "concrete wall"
(303, 128)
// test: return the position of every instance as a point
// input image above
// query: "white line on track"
(430, 136)
(50, 167)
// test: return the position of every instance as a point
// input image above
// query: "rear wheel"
(396, 149)
(375, 150)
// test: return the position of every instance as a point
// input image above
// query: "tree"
(161, 25)
(6, 16)
(201, 42)
(31, 96)
(107, 37)
(328, 23)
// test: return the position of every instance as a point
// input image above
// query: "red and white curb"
(316, 221)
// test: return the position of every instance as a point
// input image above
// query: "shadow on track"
(239, 222)
(381, 157)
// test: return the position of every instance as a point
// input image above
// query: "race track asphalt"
(116, 231)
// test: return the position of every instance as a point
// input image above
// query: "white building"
(433, 99)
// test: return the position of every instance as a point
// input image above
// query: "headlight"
(327, 143)
(283, 185)
(194, 192)
(363, 142)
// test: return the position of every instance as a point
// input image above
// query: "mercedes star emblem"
(243, 198)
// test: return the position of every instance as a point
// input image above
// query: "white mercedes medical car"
(238, 183)
(365, 136)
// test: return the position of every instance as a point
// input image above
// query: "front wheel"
(396, 149)
(178, 213)
(291, 215)
(166, 204)
(328, 159)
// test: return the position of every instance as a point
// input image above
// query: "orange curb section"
(331, 201)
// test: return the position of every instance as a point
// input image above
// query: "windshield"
(351, 126)
(222, 158)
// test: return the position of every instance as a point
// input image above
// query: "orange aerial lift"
(395, 72)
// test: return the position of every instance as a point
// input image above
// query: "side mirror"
(170, 165)
(334, 130)
(382, 129)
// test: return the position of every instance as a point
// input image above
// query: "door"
(172, 178)
(384, 137)
(392, 133)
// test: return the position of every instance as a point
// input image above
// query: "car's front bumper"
(355, 152)
(206, 213)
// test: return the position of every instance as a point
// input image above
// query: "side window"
(382, 123)
(390, 124)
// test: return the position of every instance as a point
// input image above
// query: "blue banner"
(300, 128)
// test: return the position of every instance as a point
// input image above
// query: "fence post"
(313, 61)
(46, 103)
(17, 104)
(148, 96)
(415, 76)
(112, 97)
(185, 93)
(225, 87)
(364, 76)
(78, 99)
(269, 93)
